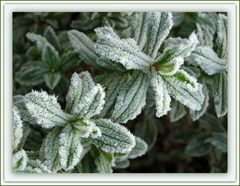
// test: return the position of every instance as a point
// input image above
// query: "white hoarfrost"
(124, 51)
(115, 138)
(162, 97)
(45, 109)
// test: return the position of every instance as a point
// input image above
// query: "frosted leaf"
(83, 46)
(122, 164)
(142, 25)
(220, 94)
(219, 141)
(139, 149)
(19, 161)
(114, 83)
(84, 98)
(31, 73)
(18, 101)
(221, 41)
(52, 79)
(205, 36)
(177, 111)
(45, 109)
(115, 138)
(160, 24)
(86, 128)
(109, 65)
(17, 128)
(172, 42)
(208, 60)
(183, 79)
(70, 148)
(171, 67)
(50, 149)
(162, 97)
(102, 160)
(195, 115)
(131, 98)
(36, 166)
(124, 51)
(50, 56)
(185, 94)
(40, 41)
(51, 36)
(182, 49)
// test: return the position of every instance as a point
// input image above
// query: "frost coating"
(221, 39)
(17, 127)
(40, 41)
(195, 115)
(124, 51)
(189, 98)
(84, 98)
(36, 166)
(162, 97)
(220, 94)
(45, 109)
(208, 60)
(160, 24)
(69, 148)
(171, 67)
(183, 48)
(19, 161)
(139, 149)
(83, 46)
(115, 138)
(131, 98)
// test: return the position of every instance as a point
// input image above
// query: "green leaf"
(170, 68)
(19, 161)
(102, 160)
(139, 149)
(162, 97)
(208, 60)
(115, 138)
(185, 89)
(49, 152)
(50, 56)
(211, 123)
(70, 148)
(220, 93)
(85, 98)
(197, 148)
(45, 109)
(160, 24)
(52, 79)
(181, 49)
(40, 41)
(221, 41)
(177, 111)
(31, 74)
(195, 115)
(218, 140)
(83, 46)
(17, 128)
(123, 51)
(109, 65)
(131, 98)
(51, 36)
(68, 61)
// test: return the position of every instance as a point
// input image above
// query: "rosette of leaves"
(134, 65)
(77, 130)
(211, 55)
(44, 61)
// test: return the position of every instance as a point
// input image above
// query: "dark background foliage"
(174, 147)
